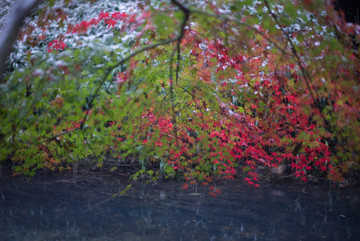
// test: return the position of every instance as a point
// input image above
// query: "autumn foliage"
(210, 93)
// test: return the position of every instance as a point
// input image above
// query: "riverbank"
(89, 170)
(63, 207)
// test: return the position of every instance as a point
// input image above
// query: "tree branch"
(186, 11)
(293, 50)
(8, 36)
(227, 18)
(307, 77)
(178, 38)
(172, 99)
(124, 60)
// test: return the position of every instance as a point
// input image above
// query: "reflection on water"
(59, 210)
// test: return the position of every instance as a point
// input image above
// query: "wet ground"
(61, 208)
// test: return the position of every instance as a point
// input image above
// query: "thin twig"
(58, 135)
(87, 142)
(293, 50)
(227, 18)
(192, 96)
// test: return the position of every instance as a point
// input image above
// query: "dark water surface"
(61, 209)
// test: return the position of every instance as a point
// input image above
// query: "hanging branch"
(186, 12)
(110, 70)
(178, 61)
(307, 77)
(172, 98)
(180, 36)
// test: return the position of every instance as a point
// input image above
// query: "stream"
(58, 208)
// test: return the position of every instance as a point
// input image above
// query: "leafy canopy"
(210, 91)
